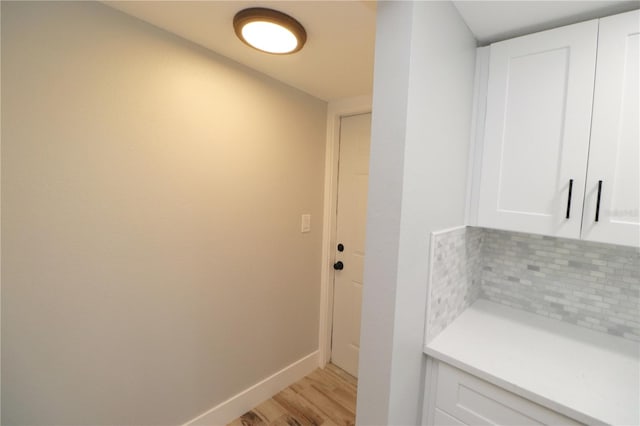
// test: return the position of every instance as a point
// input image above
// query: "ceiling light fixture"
(269, 30)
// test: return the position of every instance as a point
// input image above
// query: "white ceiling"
(492, 21)
(337, 61)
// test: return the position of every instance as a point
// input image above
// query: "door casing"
(335, 111)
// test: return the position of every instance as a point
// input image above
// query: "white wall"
(0, 214)
(423, 90)
(152, 264)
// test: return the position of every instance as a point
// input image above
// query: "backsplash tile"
(593, 285)
(455, 282)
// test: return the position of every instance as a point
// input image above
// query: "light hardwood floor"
(325, 397)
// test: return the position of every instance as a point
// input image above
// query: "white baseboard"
(251, 397)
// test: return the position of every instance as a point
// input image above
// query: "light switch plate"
(305, 225)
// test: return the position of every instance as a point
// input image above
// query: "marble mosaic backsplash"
(589, 284)
(592, 285)
(455, 282)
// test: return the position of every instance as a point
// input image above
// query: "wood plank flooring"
(325, 397)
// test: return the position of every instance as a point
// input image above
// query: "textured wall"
(593, 285)
(152, 260)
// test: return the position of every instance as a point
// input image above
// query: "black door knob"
(338, 266)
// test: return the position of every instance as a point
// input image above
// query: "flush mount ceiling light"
(269, 30)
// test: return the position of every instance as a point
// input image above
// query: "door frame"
(335, 111)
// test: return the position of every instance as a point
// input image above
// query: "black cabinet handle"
(338, 266)
(569, 198)
(598, 200)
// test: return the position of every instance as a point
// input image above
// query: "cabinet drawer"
(473, 401)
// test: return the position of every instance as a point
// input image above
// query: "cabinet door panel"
(614, 156)
(537, 130)
(443, 419)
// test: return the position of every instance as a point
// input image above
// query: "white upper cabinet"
(561, 140)
(614, 158)
(536, 138)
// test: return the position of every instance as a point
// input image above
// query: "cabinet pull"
(569, 198)
(598, 200)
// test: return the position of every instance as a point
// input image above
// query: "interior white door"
(614, 156)
(536, 138)
(353, 178)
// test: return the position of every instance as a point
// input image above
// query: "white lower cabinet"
(453, 397)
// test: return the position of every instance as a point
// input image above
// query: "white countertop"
(591, 377)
